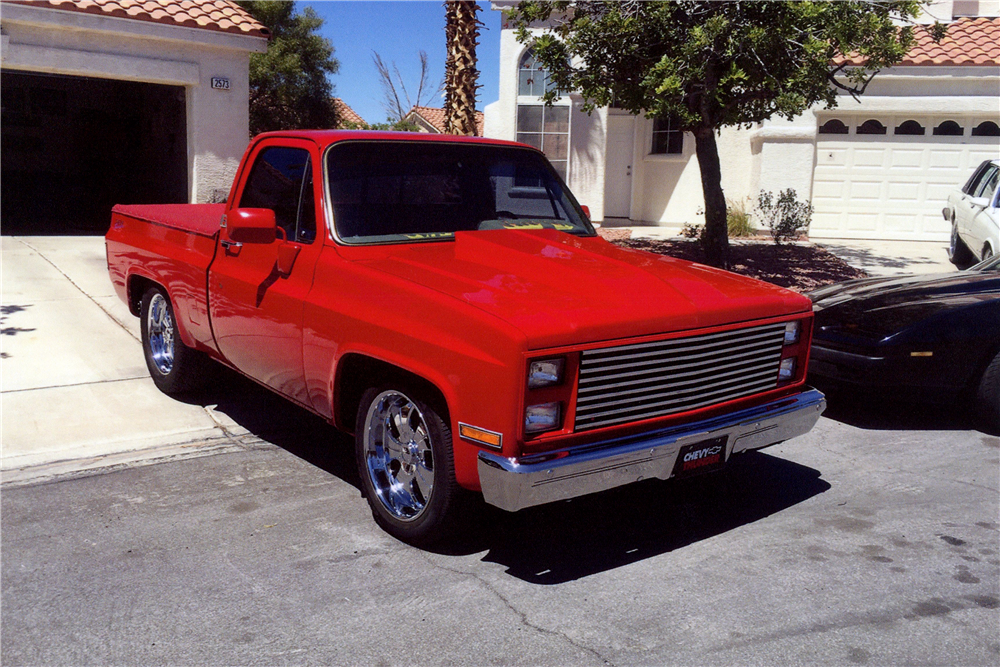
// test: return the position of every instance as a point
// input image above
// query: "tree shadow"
(867, 258)
(6, 329)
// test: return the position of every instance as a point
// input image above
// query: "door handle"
(230, 244)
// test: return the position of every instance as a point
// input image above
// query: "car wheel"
(958, 252)
(174, 367)
(987, 252)
(403, 451)
(988, 397)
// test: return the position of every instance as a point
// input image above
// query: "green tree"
(289, 88)
(709, 65)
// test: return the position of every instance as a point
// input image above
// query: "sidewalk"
(74, 389)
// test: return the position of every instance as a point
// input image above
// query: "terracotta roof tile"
(218, 15)
(969, 41)
(347, 114)
(435, 117)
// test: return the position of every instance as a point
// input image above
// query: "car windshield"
(413, 191)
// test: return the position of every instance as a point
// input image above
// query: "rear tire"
(988, 398)
(404, 458)
(958, 252)
(174, 367)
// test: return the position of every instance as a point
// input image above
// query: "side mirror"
(981, 202)
(252, 225)
(586, 210)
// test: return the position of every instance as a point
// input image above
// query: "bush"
(785, 215)
(738, 219)
(692, 231)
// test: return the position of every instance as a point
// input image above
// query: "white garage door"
(888, 177)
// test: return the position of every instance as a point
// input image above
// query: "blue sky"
(398, 31)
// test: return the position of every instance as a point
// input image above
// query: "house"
(349, 118)
(119, 101)
(431, 119)
(877, 168)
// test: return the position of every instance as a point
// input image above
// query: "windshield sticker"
(561, 226)
(429, 235)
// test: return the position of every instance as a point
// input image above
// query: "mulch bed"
(799, 267)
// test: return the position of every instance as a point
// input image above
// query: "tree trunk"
(460, 74)
(715, 241)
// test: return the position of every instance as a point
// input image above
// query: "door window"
(281, 180)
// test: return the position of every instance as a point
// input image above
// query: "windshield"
(408, 191)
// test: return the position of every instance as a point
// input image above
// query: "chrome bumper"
(516, 483)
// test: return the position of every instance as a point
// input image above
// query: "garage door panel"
(943, 158)
(903, 193)
(905, 158)
(868, 157)
(865, 191)
(832, 190)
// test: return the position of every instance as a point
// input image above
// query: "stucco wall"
(70, 43)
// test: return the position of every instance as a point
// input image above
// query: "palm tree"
(460, 73)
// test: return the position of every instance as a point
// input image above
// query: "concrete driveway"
(75, 390)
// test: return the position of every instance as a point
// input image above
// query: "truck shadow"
(883, 412)
(563, 541)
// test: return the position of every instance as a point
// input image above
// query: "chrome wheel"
(398, 455)
(160, 334)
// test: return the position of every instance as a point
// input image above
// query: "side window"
(976, 180)
(281, 180)
(989, 183)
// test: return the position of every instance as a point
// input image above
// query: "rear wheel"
(174, 367)
(958, 252)
(403, 451)
(988, 397)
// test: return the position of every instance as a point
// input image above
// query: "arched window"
(910, 127)
(532, 77)
(871, 127)
(948, 128)
(833, 126)
(986, 129)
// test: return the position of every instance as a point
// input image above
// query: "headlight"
(787, 370)
(792, 330)
(545, 373)
(543, 417)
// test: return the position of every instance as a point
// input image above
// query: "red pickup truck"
(447, 300)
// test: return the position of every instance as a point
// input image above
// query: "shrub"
(738, 219)
(784, 215)
(692, 231)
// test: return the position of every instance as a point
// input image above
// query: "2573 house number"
(220, 83)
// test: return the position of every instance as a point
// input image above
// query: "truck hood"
(559, 289)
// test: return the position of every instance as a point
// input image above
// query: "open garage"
(105, 105)
(75, 146)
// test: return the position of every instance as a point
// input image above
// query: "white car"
(972, 211)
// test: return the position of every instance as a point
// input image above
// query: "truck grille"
(633, 382)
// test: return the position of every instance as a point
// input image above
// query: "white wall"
(72, 43)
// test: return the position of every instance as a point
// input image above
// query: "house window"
(871, 127)
(532, 78)
(833, 126)
(668, 138)
(948, 128)
(910, 127)
(547, 129)
(986, 129)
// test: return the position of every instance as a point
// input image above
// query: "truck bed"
(170, 244)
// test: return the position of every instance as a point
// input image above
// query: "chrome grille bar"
(645, 380)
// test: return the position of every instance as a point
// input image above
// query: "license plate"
(700, 457)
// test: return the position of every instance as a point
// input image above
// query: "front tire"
(174, 367)
(988, 397)
(958, 252)
(404, 458)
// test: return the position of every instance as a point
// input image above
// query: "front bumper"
(515, 483)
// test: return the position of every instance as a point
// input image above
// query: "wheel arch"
(137, 284)
(356, 372)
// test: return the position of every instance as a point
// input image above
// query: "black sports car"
(931, 336)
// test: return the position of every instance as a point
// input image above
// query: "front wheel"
(958, 252)
(403, 451)
(174, 367)
(988, 397)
